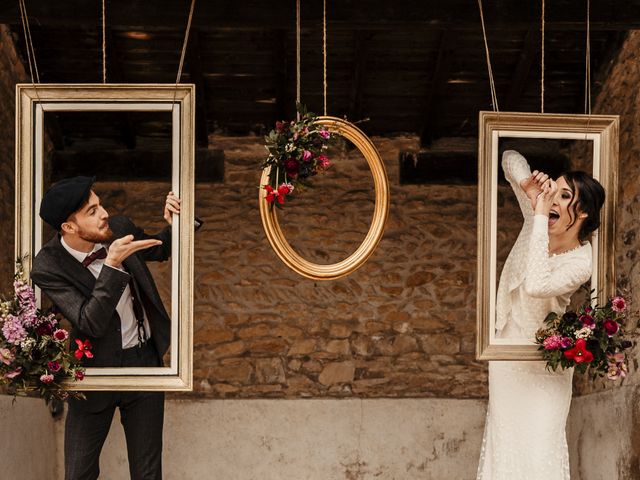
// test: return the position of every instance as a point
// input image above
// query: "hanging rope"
(542, 63)
(587, 75)
(185, 42)
(324, 51)
(298, 96)
(31, 53)
(494, 96)
(104, 44)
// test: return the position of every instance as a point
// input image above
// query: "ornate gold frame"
(316, 271)
(31, 103)
(603, 131)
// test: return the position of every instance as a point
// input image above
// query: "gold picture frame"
(603, 131)
(354, 261)
(32, 101)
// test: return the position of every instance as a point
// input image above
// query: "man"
(94, 272)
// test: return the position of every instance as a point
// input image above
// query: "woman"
(524, 436)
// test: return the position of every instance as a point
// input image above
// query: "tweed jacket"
(89, 303)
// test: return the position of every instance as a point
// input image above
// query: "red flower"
(279, 194)
(579, 353)
(611, 327)
(53, 366)
(280, 126)
(292, 167)
(44, 329)
(588, 321)
(83, 349)
(79, 375)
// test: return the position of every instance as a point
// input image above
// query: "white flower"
(27, 344)
(584, 332)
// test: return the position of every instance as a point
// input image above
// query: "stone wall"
(401, 326)
(605, 418)
(11, 72)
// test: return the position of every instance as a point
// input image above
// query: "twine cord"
(542, 62)
(324, 51)
(494, 96)
(31, 53)
(104, 44)
(298, 96)
(184, 50)
(587, 75)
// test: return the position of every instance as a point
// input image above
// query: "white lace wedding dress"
(524, 437)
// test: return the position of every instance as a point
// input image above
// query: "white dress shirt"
(532, 283)
(128, 322)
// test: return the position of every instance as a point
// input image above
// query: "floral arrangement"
(295, 154)
(592, 337)
(33, 347)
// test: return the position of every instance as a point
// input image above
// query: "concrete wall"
(348, 439)
(30, 446)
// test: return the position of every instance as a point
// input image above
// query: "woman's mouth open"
(553, 217)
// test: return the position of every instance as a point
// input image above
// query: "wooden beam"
(528, 54)
(284, 98)
(257, 14)
(126, 165)
(361, 50)
(433, 111)
(197, 77)
(115, 74)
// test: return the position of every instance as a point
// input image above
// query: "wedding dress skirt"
(524, 436)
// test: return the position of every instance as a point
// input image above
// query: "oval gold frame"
(354, 261)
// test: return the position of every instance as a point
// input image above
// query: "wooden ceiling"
(404, 66)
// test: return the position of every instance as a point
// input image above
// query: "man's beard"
(96, 237)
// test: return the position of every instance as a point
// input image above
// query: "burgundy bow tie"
(97, 255)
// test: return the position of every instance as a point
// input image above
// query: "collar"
(79, 256)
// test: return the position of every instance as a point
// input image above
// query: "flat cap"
(64, 198)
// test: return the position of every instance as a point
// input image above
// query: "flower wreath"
(296, 153)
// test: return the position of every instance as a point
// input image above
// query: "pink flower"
(588, 321)
(554, 342)
(79, 375)
(60, 335)
(613, 372)
(14, 373)
(306, 155)
(6, 356)
(13, 330)
(324, 133)
(611, 327)
(618, 304)
(280, 126)
(46, 378)
(54, 366)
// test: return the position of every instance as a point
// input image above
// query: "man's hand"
(546, 198)
(532, 186)
(123, 247)
(172, 205)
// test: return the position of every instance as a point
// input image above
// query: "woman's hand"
(546, 198)
(532, 186)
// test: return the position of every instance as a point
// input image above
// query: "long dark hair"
(588, 197)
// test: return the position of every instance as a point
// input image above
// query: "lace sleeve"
(540, 281)
(516, 169)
